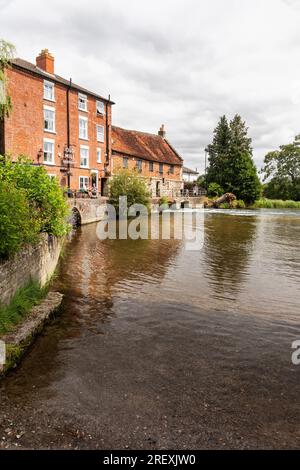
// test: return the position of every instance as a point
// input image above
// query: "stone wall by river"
(34, 262)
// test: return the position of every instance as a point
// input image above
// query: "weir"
(88, 210)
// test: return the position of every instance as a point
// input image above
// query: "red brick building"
(152, 156)
(68, 129)
(58, 124)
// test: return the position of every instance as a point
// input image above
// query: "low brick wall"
(37, 262)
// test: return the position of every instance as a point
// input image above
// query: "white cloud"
(183, 63)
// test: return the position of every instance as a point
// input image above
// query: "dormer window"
(82, 102)
(100, 107)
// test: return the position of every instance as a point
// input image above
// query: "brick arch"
(76, 217)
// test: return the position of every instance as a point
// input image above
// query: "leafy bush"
(164, 201)
(225, 205)
(214, 189)
(7, 52)
(30, 203)
(282, 188)
(45, 196)
(276, 204)
(240, 204)
(128, 183)
(16, 223)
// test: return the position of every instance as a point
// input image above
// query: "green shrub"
(128, 183)
(164, 201)
(240, 204)
(30, 203)
(224, 205)
(275, 204)
(17, 222)
(45, 196)
(215, 190)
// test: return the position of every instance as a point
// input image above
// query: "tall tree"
(284, 163)
(283, 167)
(230, 160)
(7, 52)
(244, 182)
(219, 154)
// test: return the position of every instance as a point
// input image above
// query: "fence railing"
(94, 194)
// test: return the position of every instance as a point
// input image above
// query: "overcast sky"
(182, 63)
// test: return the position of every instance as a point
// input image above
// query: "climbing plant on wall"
(7, 52)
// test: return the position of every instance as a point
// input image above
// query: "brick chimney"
(45, 61)
(162, 131)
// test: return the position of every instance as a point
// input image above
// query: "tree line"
(231, 167)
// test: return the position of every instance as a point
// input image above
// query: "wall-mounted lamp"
(39, 155)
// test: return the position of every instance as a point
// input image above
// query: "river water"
(159, 347)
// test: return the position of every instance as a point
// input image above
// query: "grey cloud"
(182, 63)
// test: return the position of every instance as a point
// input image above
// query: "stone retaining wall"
(34, 262)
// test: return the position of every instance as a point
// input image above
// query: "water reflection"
(228, 248)
(153, 339)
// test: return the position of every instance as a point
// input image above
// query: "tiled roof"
(28, 66)
(143, 145)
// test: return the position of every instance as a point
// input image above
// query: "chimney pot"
(45, 61)
(162, 131)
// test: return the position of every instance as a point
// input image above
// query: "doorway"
(104, 187)
(157, 188)
(94, 178)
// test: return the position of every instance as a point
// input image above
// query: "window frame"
(97, 127)
(125, 166)
(84, 147)
(85, 178)
(171, 169)
(52, 85)
(161, 168)
(85, 119)
(139, 165)
(85, 99)
(52, 110)
(49, 141)
(99, 150)
(102, 112)
(151, 167)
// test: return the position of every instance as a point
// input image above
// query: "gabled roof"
(29, 67)
(143, 145)
(188, 171)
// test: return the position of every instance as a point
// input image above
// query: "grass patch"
(21, 304)
(275, 204)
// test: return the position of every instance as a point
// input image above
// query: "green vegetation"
(231, 166)
(275, 204)
(164, 201)
(21, 304)
(225, 205)
(128, 183)
(215, 190)
(201, 182)
(7, 52)
(30, 203)
(283, 167)
(16, 224)
(239, 204)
